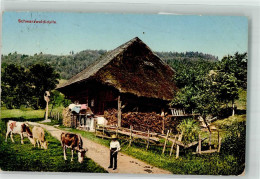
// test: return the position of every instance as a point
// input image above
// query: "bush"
(190, 129)
(58, 99)
(235, 141)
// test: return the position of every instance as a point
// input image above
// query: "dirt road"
(100, 154)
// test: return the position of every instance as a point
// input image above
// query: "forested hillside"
(66, 65)
(69, 65)
(168, 56)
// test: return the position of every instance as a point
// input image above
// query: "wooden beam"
(103, 132)
(131, 133)
(199, 145)
(163, 122)
(209, 141)
(193, 143)
(173, 143)
(116, 131)
(178, 147)
(119, 114)
(219, 142)
(173, 140)
(206, 151)
(148, 136)
(95, 126)
(165, 143)
(156, 139)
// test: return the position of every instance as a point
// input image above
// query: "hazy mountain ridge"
(69, 65)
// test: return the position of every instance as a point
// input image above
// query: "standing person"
(114, 149)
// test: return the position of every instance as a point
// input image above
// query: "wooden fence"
(149, 138)
(154, 139)
(57, 116)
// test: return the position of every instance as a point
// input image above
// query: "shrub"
(190, 129)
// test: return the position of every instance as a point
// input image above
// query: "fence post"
(116, 131)
(172, 146)
(148, 138)
(163, 120)
(119, 113)
(178, 147)
(58, 116)
(210, 141)
(199, 144)
(219, 142)
(95, 126)
(103, 132)
(130, 142)
(165, 142)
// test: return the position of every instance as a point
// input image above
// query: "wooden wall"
(100, 97)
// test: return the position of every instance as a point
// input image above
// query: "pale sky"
(215, 35)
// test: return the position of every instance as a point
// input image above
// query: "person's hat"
(113, 136)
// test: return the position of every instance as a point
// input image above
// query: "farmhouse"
(130, 77)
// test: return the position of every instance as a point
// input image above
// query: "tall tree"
(226, 87)
(22, 86)
(235, 65)
(15, 88)
(42, 78)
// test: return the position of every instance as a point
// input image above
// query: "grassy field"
(17, 157)
(22, 114)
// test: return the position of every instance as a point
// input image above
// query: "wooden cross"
(47, 99)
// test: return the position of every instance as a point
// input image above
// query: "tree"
(237, 66)
(190, 73)
(226, 87)
(204, 87)
(42, 78)
(22, 86)
(231, 75)
(15, 89)
(185, 98)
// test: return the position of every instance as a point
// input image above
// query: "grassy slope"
(241, 102)
(17, 157)
(22, 114)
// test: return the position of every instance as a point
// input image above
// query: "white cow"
(39, 137)
(101, 120)
(14, 127)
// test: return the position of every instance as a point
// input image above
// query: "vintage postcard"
(123, 93)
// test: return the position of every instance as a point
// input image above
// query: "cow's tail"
(61, 139)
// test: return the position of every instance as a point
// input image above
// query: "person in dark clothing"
(114, 149)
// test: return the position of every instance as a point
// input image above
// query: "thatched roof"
(130, 68)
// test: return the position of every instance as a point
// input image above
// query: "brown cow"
(74, 142)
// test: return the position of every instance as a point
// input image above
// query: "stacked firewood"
(66, 117)
(111, 116)
(141, 121)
